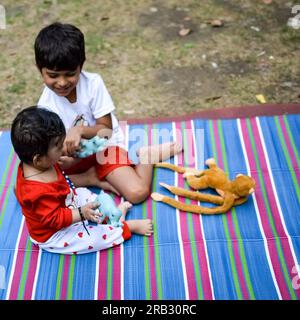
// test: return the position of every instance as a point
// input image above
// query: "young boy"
(55, 212)
(81, 97)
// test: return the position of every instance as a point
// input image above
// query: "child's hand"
(90, 213)
(72, 140)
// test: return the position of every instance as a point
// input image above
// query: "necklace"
(35, 174)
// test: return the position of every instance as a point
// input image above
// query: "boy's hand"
(90, 213)
(72, 140)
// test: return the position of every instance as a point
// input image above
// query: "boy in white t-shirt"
(80, 97)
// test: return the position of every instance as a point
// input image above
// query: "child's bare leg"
(124, 207)
(158, 153)
(90, 179)
(132, 183)
(143, 227)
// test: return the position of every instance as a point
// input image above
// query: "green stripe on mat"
(213, 143)
(25, 269)
(59, 277)
(7, 166)
(4, 178)
(287, 156)
(288, 129)
(109, 274)
(269, 213)
(194, 253)
(9, 190)
(71, 277)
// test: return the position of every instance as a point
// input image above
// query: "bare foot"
(143, 227)
(158, 153)
(124, 207)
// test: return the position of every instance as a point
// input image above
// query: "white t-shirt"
(93, 102)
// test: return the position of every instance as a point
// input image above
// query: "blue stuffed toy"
(91, 146)
(109, 209)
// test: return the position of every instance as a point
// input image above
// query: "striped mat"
(253, 252)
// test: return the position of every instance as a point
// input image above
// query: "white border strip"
(36, 275)
(96, 275)
(122, 270)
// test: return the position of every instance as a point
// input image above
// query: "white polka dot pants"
(75, 240)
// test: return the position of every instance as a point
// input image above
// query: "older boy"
(79, 96)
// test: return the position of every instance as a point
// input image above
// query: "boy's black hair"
(33, 131)
(59, 47)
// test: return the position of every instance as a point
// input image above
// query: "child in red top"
(55, 212)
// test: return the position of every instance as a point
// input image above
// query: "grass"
(148, 68)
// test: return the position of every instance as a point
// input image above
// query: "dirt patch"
(188, 83)
(237, 67)
(166, 22)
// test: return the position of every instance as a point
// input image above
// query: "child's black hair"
(33, 130)
(59, 47)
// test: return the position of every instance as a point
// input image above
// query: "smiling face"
(63, 82)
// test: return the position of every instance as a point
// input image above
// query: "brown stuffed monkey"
(231, 192)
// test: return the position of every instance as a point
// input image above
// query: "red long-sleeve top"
(44, 205)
